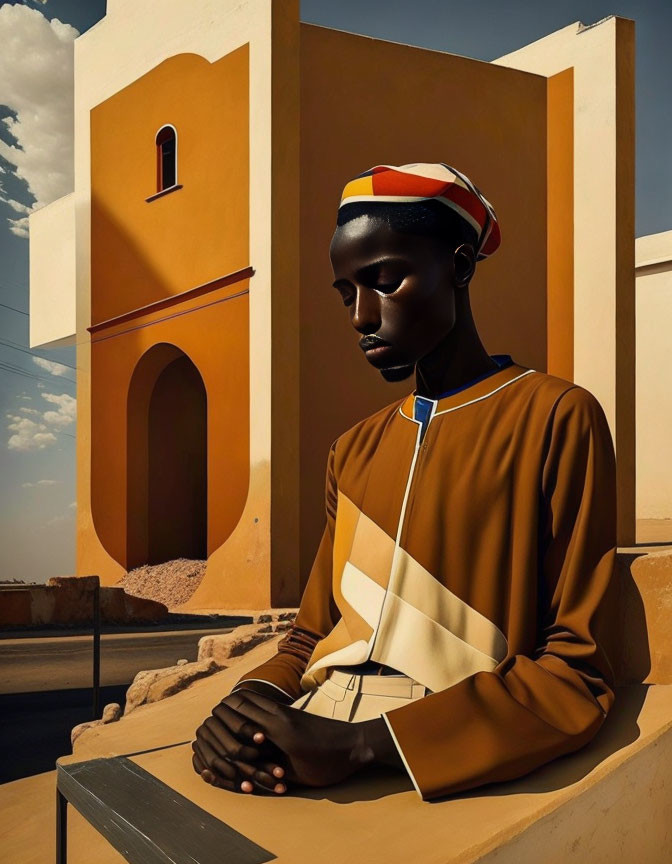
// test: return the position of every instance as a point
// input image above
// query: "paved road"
(60, 663)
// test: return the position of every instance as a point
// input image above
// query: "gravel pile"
(171, 583)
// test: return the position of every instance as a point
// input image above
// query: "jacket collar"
(480, 389)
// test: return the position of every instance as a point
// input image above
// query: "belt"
(370, 667)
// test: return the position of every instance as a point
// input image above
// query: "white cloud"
(51, 366)
(23, 396)
(67, 409)
(38, 434)
(16, 205)
(19, 226)
(28, 434)
(39, 483)
(36, 84)
(40, 385)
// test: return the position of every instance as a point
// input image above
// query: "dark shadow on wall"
(167, 459)
(178, 493)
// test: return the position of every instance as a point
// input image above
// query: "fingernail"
(279, 788)
(278, 771)
(208, 776)
(258, 737)
(246, 786)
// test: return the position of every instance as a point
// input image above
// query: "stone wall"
(67, 601)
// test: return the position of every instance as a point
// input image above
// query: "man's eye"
(388, 287)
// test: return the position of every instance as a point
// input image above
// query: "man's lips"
(378, 349)
(370, 344)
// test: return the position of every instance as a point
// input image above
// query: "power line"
(11, 366)
(18, 371)
(15, 310)
(12, 286)
(18, 347)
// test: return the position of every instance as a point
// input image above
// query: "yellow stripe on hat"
(358, 186)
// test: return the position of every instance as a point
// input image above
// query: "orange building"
(215, 362)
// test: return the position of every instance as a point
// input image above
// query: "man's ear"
(464, 259)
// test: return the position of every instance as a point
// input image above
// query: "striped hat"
(420, 181)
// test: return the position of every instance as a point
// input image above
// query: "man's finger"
(221, 740)
(258, 776)
(213, 779)
(269, 706)
(273, 768)
(223, 783)
(236, 723)
(239, 774)
(258, 780)
(248, 759)
(208, 755)
(196, 762)
(200, 767)
(259, 714)
(267, 776)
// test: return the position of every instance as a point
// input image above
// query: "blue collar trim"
(502, 360)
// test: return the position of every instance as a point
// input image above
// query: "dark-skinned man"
(454, 618)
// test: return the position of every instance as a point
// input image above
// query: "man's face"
(399, 289)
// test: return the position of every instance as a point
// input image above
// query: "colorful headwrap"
(419, 181)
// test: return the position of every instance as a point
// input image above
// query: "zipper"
(420, 449)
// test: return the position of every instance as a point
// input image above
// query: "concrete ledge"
(607, 802)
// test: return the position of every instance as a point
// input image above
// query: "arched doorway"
(177, 469)
(167, 476)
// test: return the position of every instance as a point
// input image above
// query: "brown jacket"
(477, 560)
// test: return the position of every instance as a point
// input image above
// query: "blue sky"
(37, 388)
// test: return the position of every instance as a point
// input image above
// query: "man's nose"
(366, 311)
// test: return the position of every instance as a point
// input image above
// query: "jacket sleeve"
(317, 613)
(496, 726)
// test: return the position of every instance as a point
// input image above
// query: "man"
(453, 620)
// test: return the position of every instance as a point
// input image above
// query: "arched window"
(166, 158)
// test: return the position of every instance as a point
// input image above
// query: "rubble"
(171, 583)
(155, 684)
(111, 713)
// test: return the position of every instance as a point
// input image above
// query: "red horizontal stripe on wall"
(174, 299)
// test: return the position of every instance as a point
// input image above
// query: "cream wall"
(654, 376)
(52, 274)
(602, 57)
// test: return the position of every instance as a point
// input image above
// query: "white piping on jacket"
(400, 524)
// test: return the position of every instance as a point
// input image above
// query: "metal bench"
(144, 819)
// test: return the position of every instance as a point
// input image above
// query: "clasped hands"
(254, 743)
